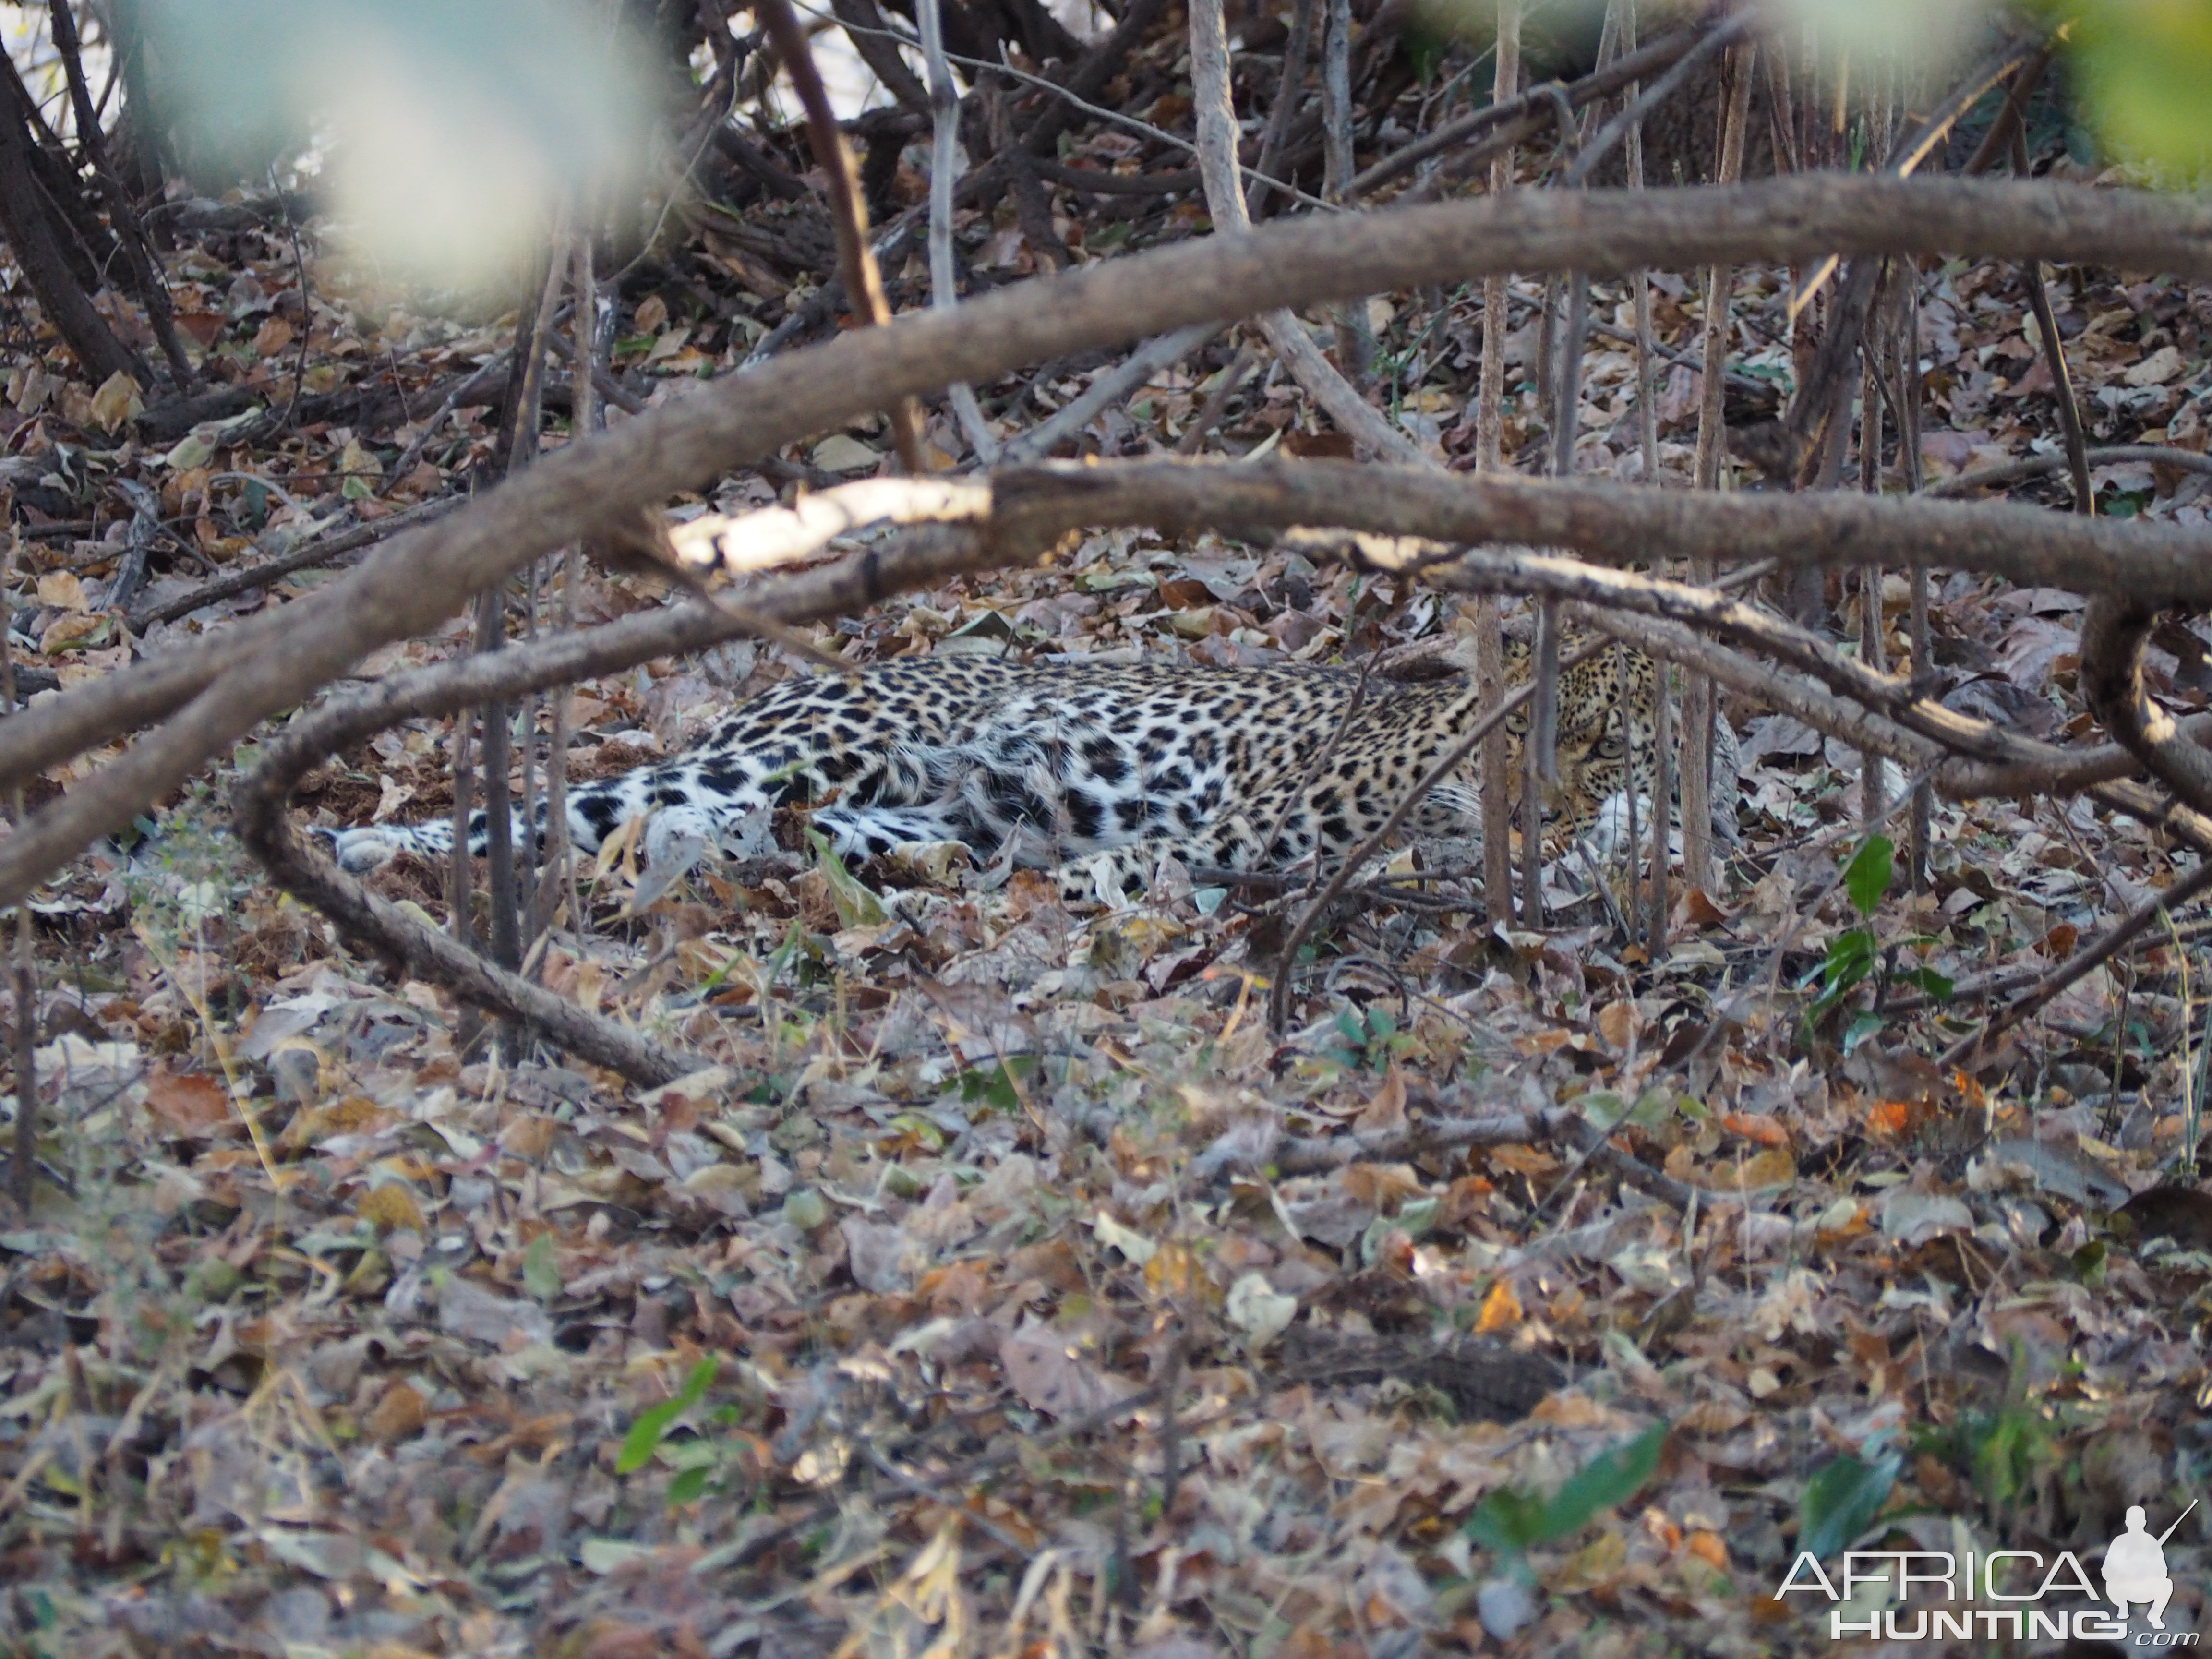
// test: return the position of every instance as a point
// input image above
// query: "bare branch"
(856, 259)
(594, 487)
(1224, 200)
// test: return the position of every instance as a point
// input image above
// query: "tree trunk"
(31, 226)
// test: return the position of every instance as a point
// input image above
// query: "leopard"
(1097, 771)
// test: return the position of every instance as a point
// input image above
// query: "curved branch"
(2039, 467)
(258, 801)
(2113, 631)
(309, 876)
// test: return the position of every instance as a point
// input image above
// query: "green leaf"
(998, 1086)
(688, 1485)
(1938, 986)
(857, 906)
(1511, 1522)
(644, 1436)
(1611, 1478)
(685, 1455)
(2008, 1449)
(1841, 1500)
(2089, 1262)
(1508, 1523)
(1862, 1025)
(1866, 879)
(1851, 958)
(541, 1273)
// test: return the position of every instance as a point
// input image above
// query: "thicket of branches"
(1856, 389)
(1178, 188)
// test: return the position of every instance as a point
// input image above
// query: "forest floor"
(1010, 1282)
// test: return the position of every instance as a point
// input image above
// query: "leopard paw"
(361, 850)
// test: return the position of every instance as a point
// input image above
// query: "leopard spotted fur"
(1099, 770)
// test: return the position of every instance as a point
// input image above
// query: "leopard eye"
(1610, 748)
(1516, 724)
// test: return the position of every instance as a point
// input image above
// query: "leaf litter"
(963, 1305)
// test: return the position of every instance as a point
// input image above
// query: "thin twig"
(557, 871)
(1653, 925)
(1641, 104)
(319, 550)
(2037, 466)
(1116, 118)
(1489, 458)
(1108, 388)
(2054, 351)
(504, 880)
(1522, 117)
(23, 1161)
(1698, 711)
(1217, 402)
(944, 278)
(1997, 142)
(307, 308)
(1217, 157)
(490, 369)
(856, 259)
(1289, 91)
(2078, 966)
(1355, 339)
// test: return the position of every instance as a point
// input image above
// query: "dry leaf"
(1050, 1374)
(188, 1102)
(116, 402)
(1501, 1310)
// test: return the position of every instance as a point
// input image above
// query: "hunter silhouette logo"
(2015, 1593)
(2135, 1567)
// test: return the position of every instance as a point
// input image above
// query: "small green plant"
(2005, 1449)
(1512, 1523)
(1855, 956)
(1841, 1500)
(1371, 1040)
(998, 1085)
(645, 1435)
(717, 1463)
